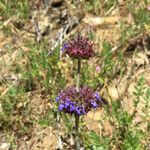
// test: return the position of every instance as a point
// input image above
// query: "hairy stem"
(78, 75)
(77, 141)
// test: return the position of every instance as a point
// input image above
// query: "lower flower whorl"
(79, 103)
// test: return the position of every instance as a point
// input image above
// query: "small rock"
(140, 59)
(56, 3)
(4, 146)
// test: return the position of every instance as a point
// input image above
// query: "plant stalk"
(77, 141)
(78, 75)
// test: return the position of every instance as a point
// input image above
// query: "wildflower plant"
(78, 101)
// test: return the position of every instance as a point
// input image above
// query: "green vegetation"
(30, 82)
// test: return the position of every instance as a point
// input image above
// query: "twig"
(26, 145)
(111, 9)
(37, 30)
(60, 143)
(60, 39)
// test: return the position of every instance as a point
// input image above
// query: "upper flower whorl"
(79, 47)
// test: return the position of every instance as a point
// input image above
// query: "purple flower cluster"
(79, 47)
(79, 103)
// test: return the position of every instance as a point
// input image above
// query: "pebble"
(4, 146)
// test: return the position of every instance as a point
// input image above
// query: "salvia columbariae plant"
(78, 100)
